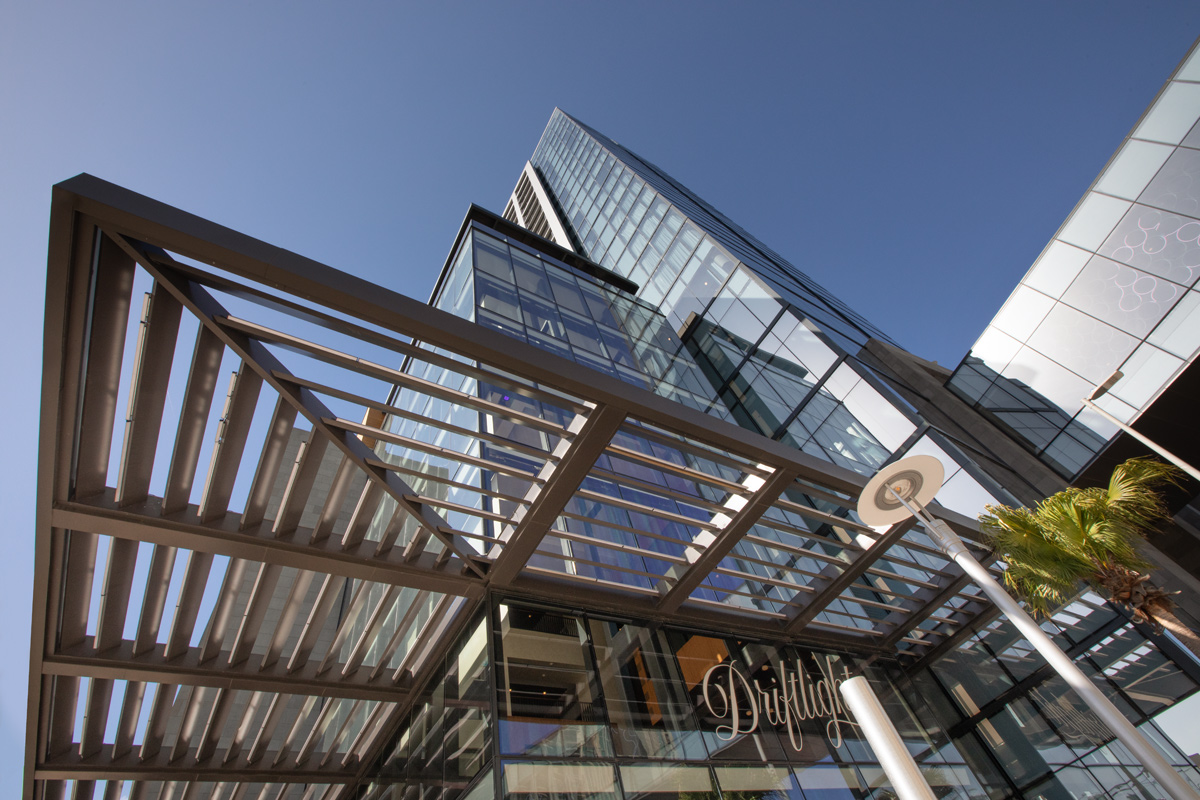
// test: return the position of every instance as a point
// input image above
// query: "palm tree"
(1090, 537)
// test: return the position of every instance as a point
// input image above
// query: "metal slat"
(287, 617)
(158, 581)
(64, 695)
(217, 714)
(364, 512)
(278, 434)
(109, 308)
(334, 500)
(423, 636)
(340, 733)
(391, 531)
(286, 747)
(193, 417)
(218, 624)
(299, 485)
(275, 710)
(183, 624)
(95, 716)
(187, 729)
(131, 710)
(156, 723)
(255, 612)
(148, 393)
(257, 700)
(370, 630)
(317, 730)
(349, 618)
(227, 451)
(114, 602)
(402, 629)
(77, 587)
(331, 589)
(377, 718)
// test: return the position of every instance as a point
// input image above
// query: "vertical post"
(1145, 752)
(885, 740)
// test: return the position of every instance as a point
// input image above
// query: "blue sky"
(914, 157)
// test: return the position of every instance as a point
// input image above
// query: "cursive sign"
(797, 699)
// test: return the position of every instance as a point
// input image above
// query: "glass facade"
(635, 520)
(1115, 289)
(773, 345)
(544, 702)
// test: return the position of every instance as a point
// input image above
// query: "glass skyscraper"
(581, 527)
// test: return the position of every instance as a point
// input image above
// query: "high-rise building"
(582, 526)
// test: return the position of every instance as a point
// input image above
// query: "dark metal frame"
(100, 235)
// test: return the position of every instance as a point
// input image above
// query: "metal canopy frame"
(263, 626)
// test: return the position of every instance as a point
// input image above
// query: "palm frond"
(1079, 536)
(1132, 498)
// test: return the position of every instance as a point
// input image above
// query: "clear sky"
(913, 157)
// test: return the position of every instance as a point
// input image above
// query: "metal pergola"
(241, 598)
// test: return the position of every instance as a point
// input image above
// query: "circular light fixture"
(916, 479)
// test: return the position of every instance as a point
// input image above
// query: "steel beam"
(223, 537)
(683, 583)
(852, 572)
(973, 625)
(930, 601)
(186, 669)
(159, 767)
(560, 479)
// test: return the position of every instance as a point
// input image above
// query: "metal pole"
(1162, 451)
(1145, 752)
(885, 740)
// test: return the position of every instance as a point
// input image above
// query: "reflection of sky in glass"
(1084, 345)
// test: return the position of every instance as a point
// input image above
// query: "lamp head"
(1103, 388)
(916, 479)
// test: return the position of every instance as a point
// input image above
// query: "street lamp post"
(898, 764)
(903, 489)
(1102, 390)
